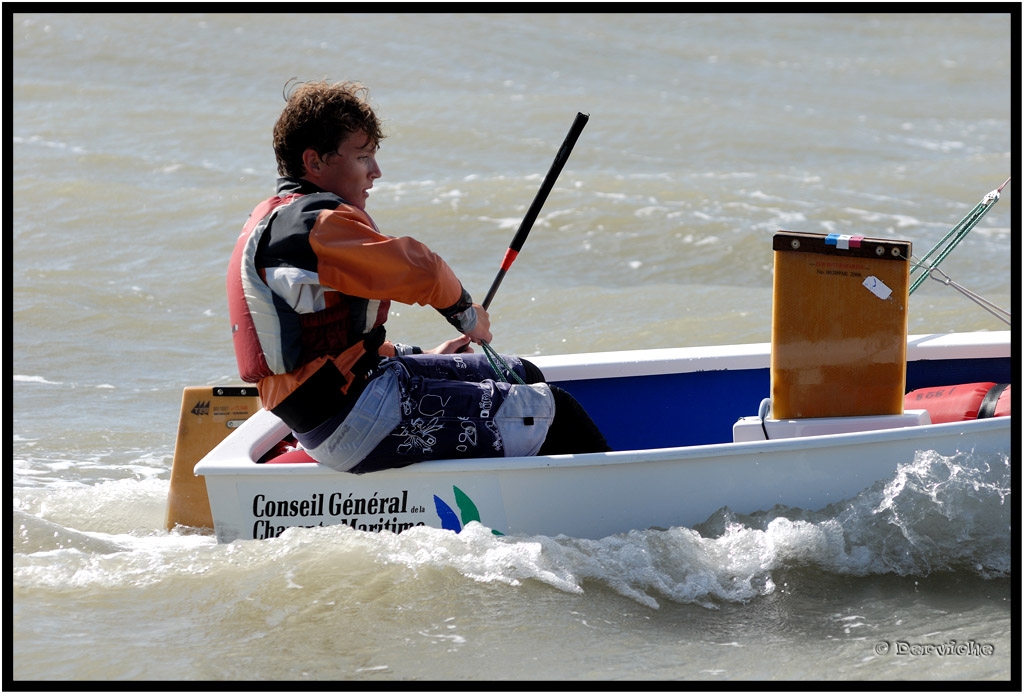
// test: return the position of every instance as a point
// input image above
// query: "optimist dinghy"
(838, 400)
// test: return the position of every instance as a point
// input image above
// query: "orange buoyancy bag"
(959, 402)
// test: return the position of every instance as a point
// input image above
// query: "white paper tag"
(877, 287)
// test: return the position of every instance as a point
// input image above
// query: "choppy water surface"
(141, 142)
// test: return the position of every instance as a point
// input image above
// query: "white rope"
(1000, 313)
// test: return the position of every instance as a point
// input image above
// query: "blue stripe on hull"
(697, 408)
(670, 410)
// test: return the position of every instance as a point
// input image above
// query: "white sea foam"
(34, 379)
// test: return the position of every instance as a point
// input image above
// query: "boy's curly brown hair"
(321, 115)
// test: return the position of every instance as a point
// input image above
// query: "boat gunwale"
(757, 355)
(237, 464)
(256, 438)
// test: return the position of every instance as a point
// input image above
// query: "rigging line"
(930, 271)
(955, 235)
(997, 311)
(495, 359)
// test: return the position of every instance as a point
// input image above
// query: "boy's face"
(348, 172)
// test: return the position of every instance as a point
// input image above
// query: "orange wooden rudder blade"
(839, 325)
(208, 415)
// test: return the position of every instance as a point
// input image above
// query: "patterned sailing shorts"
(434, 406)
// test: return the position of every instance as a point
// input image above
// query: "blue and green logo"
(467, 511)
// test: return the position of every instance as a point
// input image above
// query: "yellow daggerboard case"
(839, 325)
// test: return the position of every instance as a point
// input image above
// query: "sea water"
(140, 142)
